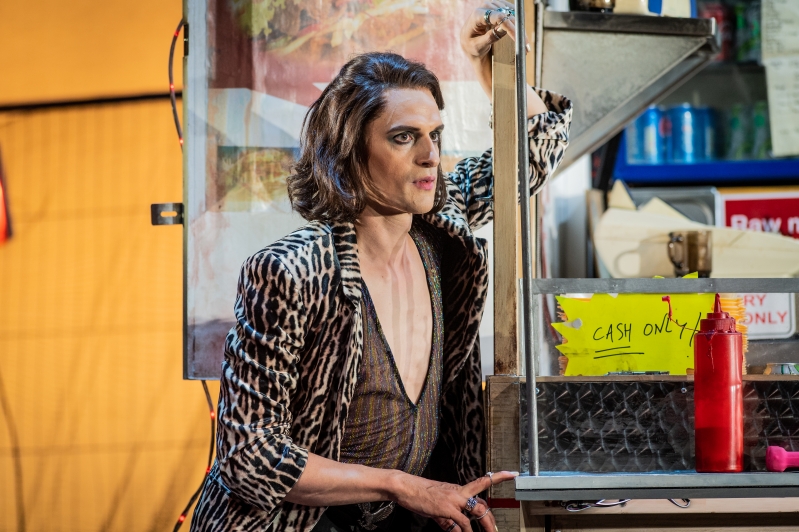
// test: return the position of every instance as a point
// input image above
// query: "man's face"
(402, 146)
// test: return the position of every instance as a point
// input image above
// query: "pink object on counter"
(778, 459)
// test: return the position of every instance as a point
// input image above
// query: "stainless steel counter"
(655, 485)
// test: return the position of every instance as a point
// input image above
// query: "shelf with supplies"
(713, 130)
(718, 172)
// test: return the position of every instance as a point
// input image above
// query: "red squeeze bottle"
(718, 394)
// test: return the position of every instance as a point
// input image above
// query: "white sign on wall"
(770, 315)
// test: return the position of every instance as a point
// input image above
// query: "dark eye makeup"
(406, 137)
(403, 138)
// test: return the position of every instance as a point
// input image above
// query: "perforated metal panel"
(648, 426)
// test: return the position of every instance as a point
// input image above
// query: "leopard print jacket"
(292, 359)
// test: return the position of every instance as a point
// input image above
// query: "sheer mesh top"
(384, 427)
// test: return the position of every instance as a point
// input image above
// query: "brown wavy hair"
(331, 178)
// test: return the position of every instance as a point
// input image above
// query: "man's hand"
(477, 36)
(446, 503)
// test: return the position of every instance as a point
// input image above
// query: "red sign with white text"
(772, 213)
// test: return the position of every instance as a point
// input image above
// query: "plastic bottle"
(718, 394)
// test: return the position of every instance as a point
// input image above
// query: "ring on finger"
(449, 529)
(471, 502)
(476, 518)
(490, 476)
(510, 11)
(498, 35)
(487, 17)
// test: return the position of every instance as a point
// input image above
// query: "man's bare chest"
(401, 300)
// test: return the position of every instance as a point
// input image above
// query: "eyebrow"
(412, 128)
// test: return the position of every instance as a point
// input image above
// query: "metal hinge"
(166, 213)
(186, 39)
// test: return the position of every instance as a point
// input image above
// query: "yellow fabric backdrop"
(111, 437)
(57, 50)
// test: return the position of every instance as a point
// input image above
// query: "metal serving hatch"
(614, 66)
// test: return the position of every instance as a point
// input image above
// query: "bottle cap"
(718, 320)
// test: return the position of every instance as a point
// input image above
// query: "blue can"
(687, 134)
(645, 141)
(667, 151)
(633, 136)
(709, 140)
(651, 138)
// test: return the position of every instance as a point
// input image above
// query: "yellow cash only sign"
(630, 332)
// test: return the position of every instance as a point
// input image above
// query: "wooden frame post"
(506, 222)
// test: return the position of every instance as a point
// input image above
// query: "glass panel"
(254, 70)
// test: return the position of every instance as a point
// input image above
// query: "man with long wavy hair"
(351, 388)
